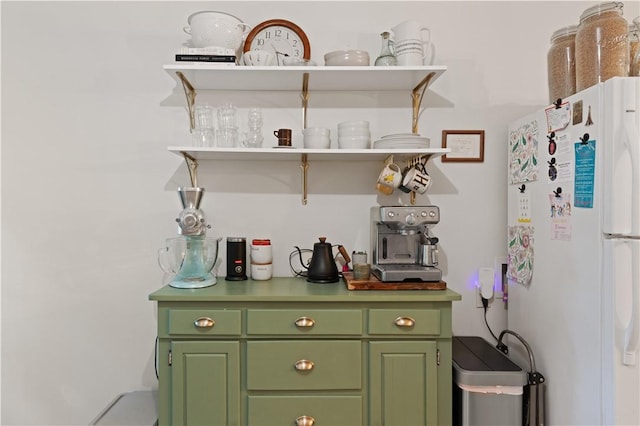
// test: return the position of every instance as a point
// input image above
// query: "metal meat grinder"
(191, 256)
(401, 246)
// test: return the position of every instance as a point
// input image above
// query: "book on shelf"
(211, 50)
(180, 57)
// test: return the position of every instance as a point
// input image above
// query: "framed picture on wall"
(465, 146)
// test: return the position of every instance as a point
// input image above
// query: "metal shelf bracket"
(190, 94)
(305, 98)
(192, 166)
(416, 96)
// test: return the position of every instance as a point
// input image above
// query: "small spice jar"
(561, 63)
(602, 45)
(634, 48)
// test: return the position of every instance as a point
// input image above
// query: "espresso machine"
(191, 256)
(401, 246)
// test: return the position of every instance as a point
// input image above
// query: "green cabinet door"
(403, 383)
(205, 378)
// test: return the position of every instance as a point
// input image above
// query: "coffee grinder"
(192, 256)
(401, 246)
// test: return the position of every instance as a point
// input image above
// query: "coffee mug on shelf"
(284, 136)
(416, 179)
(390, 176)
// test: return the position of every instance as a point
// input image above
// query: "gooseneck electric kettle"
(322, 268)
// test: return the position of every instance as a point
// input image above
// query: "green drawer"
(211, 322)
(405, 321)
(324, 410)
(315, 322)
(279, 365)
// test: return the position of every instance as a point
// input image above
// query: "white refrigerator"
(574, 251)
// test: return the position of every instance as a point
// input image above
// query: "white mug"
(416, 179)
(259, 58)
(390, 177)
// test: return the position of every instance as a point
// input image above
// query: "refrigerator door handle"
(632, 330)
(622, 176)
(632, 139)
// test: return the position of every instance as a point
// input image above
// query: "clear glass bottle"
(386, 57)
(634, 47)
(602, 45)
(561, 63)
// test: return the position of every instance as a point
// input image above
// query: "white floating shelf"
(321, 78)
(294, 154)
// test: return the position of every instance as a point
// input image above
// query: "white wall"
(88, 187)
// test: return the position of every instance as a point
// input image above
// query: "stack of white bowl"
(354, 135)
(316, 138)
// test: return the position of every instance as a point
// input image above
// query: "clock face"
(282, 38)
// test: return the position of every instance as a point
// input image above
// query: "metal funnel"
(190, 197)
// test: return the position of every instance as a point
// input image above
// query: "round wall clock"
(282, 38)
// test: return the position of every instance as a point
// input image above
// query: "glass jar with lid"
(602, 45)
(634, 47)
(561, 63)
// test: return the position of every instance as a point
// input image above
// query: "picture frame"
(467, 146)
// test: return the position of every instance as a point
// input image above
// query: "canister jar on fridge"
(602, 45)
(561, 63)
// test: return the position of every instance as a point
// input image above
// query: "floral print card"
(523, 153)
(520, 254)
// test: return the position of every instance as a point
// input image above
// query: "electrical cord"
(485, 306)
(155, 358)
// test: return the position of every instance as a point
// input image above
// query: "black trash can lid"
(477, 363)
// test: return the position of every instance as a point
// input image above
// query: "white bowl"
(353, 131)
(354, 142)
(213, 28)
(297, 62)
(317, 142)
(347, 58)
(258, 58)
(316, 131)
(356, 123)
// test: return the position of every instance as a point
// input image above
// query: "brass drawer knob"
(204, 322)
(305, 322)
(406, 322)
(304, 365)
(305, 421)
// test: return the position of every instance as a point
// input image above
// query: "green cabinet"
(286, 352)
(205, 383)
(403, 388)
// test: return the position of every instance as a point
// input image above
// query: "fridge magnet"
(524, 207)
(465, 145)
(553, 171)
(585, 162)
(558, 118)
(589, 121)
(552, 143)
(577, 112)
(560, 213)
(520, 254)
(523, 151)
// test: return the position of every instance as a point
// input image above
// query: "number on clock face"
(281, 41)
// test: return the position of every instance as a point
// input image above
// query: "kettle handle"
(300, 256)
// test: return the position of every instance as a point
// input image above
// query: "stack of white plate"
(402, 141)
